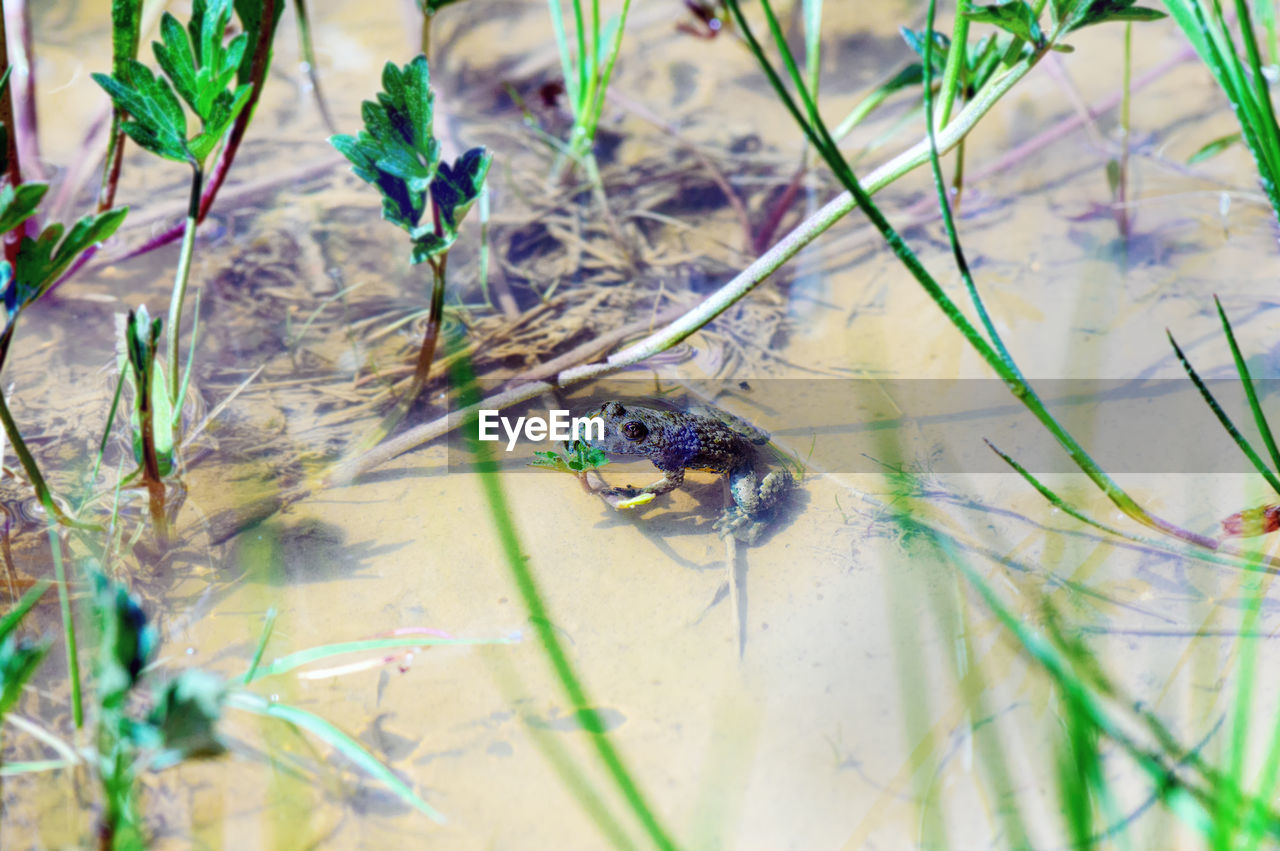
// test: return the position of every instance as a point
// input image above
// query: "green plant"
(19, 656)
(587, 69)
(576, 459)
(1242, 80)
(201, 70)
(397, 153)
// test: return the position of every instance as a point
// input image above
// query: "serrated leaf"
(1014, 17)
(396, 151)
(197, 68)
(456, 187)
(17, 204)
(156, 121)
(174, 55)
(1100, 11)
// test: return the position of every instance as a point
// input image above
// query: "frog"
(700, 438)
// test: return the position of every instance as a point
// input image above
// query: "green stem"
(180, 291)
(434, 318)
(424, 42)
(539, 616)
(951, 81)
(64, 603)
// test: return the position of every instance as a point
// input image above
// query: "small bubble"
(275, 698)
(191, 651)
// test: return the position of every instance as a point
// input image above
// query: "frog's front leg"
(671, 479)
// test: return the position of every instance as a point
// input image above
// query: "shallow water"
(851, 689)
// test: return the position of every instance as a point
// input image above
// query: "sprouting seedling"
(587, 69)
(153, 414)
(398, 153)
(201, 70)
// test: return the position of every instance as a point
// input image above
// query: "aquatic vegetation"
(1242, 79)
(397, 152)
(559, 330)
(199, 68)
(587, 68)
(576, 459)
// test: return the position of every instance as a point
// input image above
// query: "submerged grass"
(527, 584)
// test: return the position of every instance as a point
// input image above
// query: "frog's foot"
(741, 525)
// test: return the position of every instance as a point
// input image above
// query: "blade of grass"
(327, 651)
(1251, 393)
(336, 739)
(268, 625)
(1019, 387)
(574, 690)
(24, 605)
(1224, 419)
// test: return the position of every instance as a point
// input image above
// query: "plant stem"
(309, 57)
(180, 292)
(1122, 189)
(584, 709)
(64, 601)
(767, 263)
(28, 462)
(126, 26)
(427, 353)
(424, 44)
(26, 127)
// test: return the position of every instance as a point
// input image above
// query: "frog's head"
(631, 430)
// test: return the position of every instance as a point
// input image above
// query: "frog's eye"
(634, 430)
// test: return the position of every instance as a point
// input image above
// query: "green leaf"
(186, 718)
(1014, 17)
(1100, 11)
(578, 459)
(336, 739)
(199, 68)
(941, 46)
(17, 204)
(127, 640)
(141, 342)
(19, 658)
(396, 151)
(42, 260)
(156, 121)
(1212, 149)
(456, 187)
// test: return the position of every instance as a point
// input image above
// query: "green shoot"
(397, 152)
(200, 69)
(587, 69)
(152, 420)
(991, 350)
(1242, 80)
